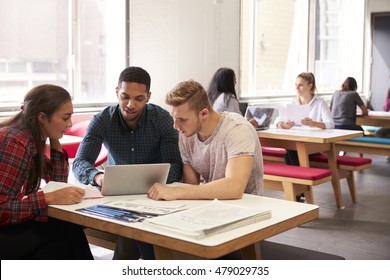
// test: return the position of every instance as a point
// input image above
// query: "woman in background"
(344, 103)
(26, 231)
(221, 91)
(319, 115)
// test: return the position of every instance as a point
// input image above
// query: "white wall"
(189, 38)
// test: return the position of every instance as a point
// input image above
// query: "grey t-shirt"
(233, 137)
(344, 107)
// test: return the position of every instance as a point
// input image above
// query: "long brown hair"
(43, 98)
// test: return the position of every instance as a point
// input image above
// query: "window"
(79, 45)
(282, 38)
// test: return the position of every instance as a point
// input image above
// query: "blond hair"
(191, 92)
(309, 77)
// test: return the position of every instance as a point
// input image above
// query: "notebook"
(263, 116)
(133, 178)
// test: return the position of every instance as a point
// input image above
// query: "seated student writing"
(222, 148)
(319, 115)
(26, 231)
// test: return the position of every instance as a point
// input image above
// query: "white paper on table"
(90, 191)
(294, 112)
(150, 206)
(379, 113)
(211, 218)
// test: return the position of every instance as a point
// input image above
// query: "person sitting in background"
(222, 148)
(384, 132)
(343, 105)
(26, 231)
(319, 115)
(134, 132)
(222, 93)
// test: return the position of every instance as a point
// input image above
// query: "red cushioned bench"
(347, 165)
(273, 154)
(294, 180)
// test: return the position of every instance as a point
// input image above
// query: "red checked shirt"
(17, 151)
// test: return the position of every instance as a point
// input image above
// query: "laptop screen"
(262, 116)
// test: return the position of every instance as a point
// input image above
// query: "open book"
(208, 219)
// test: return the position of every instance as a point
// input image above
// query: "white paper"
(208, 219)
(379, 113)
(90, 191)
(150, 206)
(294, 112)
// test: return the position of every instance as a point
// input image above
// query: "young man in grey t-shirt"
(223, 149)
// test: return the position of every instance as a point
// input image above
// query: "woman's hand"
(253, 122)
(310, 122)
(286, 125)
(65, 196)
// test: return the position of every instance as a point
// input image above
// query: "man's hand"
(99, 179)
(162, 192)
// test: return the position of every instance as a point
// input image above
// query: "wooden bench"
(347, 166)
(273, 154)
(294, 180)
(369, 130)
(366, 145)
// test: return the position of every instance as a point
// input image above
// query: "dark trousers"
(291, 157)
(52, 240)
(130, 249)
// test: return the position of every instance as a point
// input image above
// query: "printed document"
(211, 218)
(150, 206)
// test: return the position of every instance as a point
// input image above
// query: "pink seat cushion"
(341, 160)
(273, 152)
(293, 171)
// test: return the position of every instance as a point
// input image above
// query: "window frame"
(73, 61)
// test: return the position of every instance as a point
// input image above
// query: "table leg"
(162, 253)
(251, 252)
(332, 162)
(303, 154)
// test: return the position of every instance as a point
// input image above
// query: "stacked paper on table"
(208, 219)
(150, 206)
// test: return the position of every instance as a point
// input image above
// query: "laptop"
(263, 116)
(133, 178)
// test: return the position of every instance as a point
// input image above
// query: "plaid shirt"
(154, 140)
(17, 151)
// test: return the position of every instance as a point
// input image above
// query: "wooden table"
(285, 215)
(308, 141)
(374, 120)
